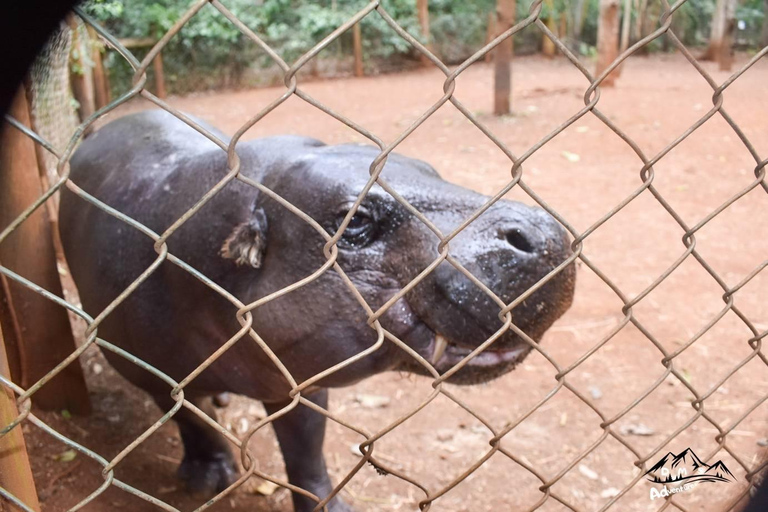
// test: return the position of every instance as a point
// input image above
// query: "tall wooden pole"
(607, 39)
(502, 83)
(40, 328)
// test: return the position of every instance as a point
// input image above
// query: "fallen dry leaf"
(266, 488)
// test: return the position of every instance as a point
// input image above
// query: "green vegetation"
(210, 52)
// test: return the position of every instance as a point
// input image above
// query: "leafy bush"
(210, 52)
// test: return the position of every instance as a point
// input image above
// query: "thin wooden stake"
(159, 76)
(357, 44)
(502, 83)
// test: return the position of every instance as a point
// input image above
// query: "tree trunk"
(625, 30)
(641, 25)
(547, 45)
(717, 31)
(638, 18)
(579, 13)
(607, 38)
(502, 83)
(562, 32)
(491, 33)
(725, 55)
(626, 26)
(764, 37)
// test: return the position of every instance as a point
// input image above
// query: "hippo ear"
(248, 241)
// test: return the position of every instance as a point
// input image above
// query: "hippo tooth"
(440, 345)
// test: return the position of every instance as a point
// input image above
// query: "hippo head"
(509, 249)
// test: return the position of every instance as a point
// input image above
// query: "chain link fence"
(249, 333)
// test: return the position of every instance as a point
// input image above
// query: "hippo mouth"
(444, 355)
(443, 348)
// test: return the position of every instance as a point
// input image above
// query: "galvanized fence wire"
(243, 312)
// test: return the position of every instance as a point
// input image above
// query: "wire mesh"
(243, 312)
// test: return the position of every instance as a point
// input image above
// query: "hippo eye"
(361, 229)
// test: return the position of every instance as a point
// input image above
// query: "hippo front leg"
(300, 434)
(208, 466)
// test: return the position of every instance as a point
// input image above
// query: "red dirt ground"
(582, 173)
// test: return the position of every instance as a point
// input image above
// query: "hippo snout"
(512, 250)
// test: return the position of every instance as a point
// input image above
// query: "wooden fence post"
(159, 76)
(502, 57)
(357, 46)
(42, 336)
(15, 471)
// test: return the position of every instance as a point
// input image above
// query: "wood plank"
(44, 333)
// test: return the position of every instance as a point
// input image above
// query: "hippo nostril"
(519, 241)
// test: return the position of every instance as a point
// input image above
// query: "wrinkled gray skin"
(153, 168)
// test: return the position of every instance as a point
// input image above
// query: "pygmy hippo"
(153, 168)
